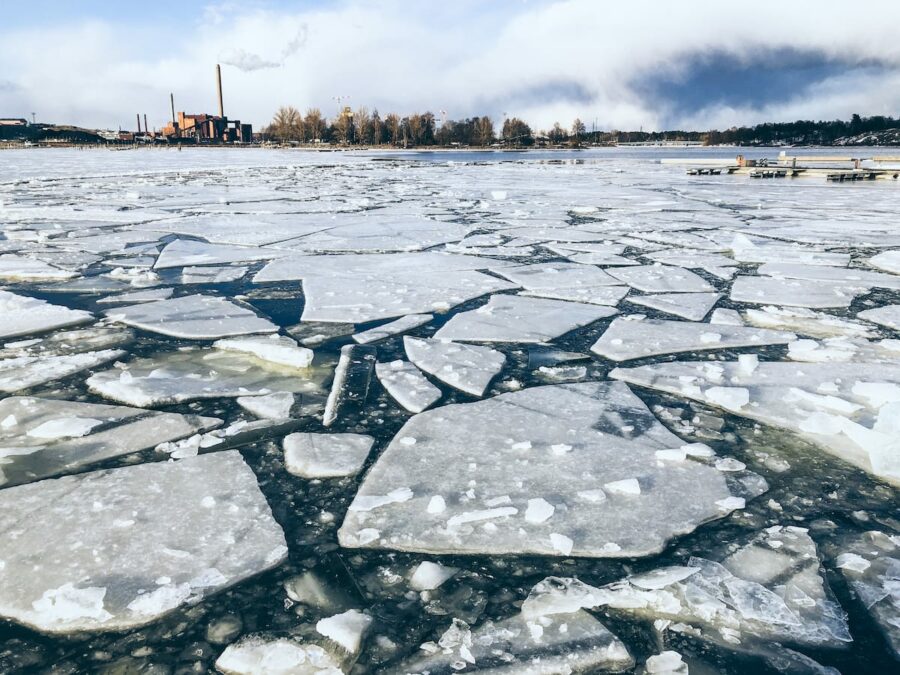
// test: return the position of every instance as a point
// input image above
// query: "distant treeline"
(424, 129)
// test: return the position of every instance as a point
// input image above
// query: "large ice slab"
(45, 437)
(805, 321)
(849, 276)
(407, 385)
(186, 375)
(469, 368)
(795, 292)
(772, 589)
(662, 279)
(516, 318)
(99, 552)
(635, 337)
(887, 316)
(276, 349)
(23, 315)
(871, 565)
(849, 409)
(690, 306)
(580, 469)
(193, 317)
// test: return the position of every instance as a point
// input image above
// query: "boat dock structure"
(838, 169)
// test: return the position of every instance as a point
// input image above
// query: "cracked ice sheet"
(848, 276)
(373, 232)
(46, 437)
(516, 318)
(24, 372)
(870, 563)
(239, 230)
(795, 292)
(193, 317)
(718, 265)
(556, 470)
(848, 409)
(770, 589)
(805, 321)
(888, 261)
(690, 306)
(567, 281)
(634, 337)
(110, 558)
(186, 375)
(468, 368)
(23, 315)
(661, 279)
(368, 287)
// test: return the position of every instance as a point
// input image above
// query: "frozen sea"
(273, 411)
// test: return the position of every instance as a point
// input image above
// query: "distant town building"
(13, 122)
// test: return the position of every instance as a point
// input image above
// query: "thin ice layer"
(193, 317)
(186, 375)
(47, 437)
(515, 318)
(849, 409)
(556, 470)
(469, 368)
(634, 338)
(109, 557)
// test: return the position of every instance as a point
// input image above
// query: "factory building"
(207, 128)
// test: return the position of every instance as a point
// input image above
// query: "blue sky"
(645, 63)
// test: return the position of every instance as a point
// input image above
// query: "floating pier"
(837, 169)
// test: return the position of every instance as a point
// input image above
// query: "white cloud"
(542, 61)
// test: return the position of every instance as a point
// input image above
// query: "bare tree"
(314, 124)
(287, 125)
(392, 123)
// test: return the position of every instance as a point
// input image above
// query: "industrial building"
(207, 128)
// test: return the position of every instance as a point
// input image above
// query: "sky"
(650, 64)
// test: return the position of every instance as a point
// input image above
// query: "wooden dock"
(833, 168)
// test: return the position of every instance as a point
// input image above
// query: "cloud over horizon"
(645, 63)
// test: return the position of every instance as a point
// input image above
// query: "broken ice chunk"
(277, 349)
(469, 368)
(326, 455)
(23, 315)
(407, 385)
(429, 576)
(401, 325)
(690, 306)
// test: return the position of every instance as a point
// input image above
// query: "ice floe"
(888, 261)
(24, 315)
(326, 455)
(91, 533)
(396, 327)
(849, 409)
(636, 337)
(21, 268)
(567, 281)
(805, 321)
(887, 316)
(469, 368)
(193, 317)
(515, 318)
(277, 349)
(690, 306)
(44, 437)
(187, 252)
(811, 293)
(407, 385)
(662, 279)
(484, 463)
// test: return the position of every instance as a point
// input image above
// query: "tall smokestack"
(172, 101)
(219, 89)
(139, 121)
(146, 128)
